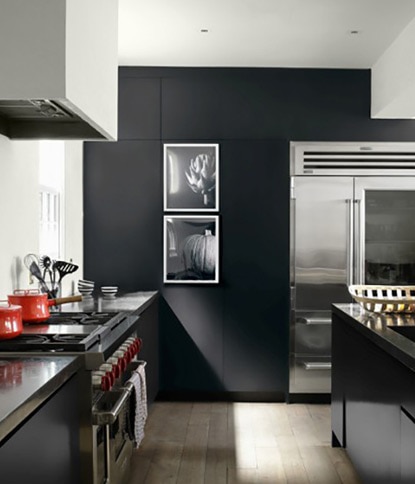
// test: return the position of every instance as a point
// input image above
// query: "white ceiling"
(259, 33)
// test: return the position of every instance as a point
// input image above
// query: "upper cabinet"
(59, 69)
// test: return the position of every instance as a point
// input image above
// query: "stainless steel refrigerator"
(352, 222)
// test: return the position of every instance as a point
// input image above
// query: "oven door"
(114, 412)
(111, 417)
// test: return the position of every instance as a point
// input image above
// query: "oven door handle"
(108, 417)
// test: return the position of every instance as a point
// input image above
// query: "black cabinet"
(139, 102)
(407, 461)
(122, 214)
(148, 331)
(45, 449)
(372, 393)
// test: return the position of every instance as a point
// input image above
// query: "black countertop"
(376, 327)
(25, 383)
(135, 302)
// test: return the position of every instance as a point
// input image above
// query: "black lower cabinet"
(372, 408)
(407, 447)
(148, 331)
(45, 448)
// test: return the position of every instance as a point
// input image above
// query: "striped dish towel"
(138, 380)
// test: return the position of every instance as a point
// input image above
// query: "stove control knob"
(107, 368)
(136, 348)
(116, 366)
(139, 342)
(127, 352)
(123, 363)
(101, 380)
(121, 360)
(128, 355)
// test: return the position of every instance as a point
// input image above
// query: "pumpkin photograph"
(191, 177)
(191, 249)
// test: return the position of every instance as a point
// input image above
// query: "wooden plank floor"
(239, 443)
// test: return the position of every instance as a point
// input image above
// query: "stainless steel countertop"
(375, 326)
(27, 382)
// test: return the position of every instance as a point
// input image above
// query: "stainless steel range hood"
(59, 69)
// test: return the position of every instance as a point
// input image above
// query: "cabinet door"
(139, 107)
(407, 447)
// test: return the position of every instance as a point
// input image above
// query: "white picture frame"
(191, 249)
(191, 177)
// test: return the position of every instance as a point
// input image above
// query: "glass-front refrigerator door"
(385, 230)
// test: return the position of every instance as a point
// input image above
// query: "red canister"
(11, 324)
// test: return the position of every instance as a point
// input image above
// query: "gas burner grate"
(68, 338)
(30, 339)
(80, 318)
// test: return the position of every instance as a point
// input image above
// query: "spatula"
(64, 268)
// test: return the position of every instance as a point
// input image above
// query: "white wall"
(73, 213)
(19, 211)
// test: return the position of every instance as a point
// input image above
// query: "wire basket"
(385, 299)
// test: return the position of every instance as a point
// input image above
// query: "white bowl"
(109, 291)
(85, 284)
(84, 291)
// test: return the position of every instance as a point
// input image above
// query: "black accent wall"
(230, 337)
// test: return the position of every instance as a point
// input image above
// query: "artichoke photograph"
(191, 177)
(191, 249)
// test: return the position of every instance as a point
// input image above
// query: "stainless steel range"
(109, 345)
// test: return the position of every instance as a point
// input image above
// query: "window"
(51, 184)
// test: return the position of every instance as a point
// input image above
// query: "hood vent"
(59, 69)
(42, 118)
(352, 158)
(38, 109)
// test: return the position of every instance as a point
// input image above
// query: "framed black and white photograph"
(191, 177)
(191, 249)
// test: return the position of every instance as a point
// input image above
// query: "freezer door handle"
(317, 365)
(358, 243)
(311, 320)
(350, 243)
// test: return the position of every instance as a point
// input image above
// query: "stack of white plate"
(85, 287)
(109, 291)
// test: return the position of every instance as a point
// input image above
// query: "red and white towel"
(138, 379)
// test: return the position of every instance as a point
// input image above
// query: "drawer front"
(310, 375)
(312, 339)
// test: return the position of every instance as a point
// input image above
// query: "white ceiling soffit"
(393, 78)
(259, 33)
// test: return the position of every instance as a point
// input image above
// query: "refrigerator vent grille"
(353, 159)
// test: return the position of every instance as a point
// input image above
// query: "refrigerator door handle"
(350, 243)
(359, 243)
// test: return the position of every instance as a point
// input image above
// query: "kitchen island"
(373, 392)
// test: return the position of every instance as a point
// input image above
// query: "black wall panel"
(231, 337)
(139, 108)
(122, 207)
